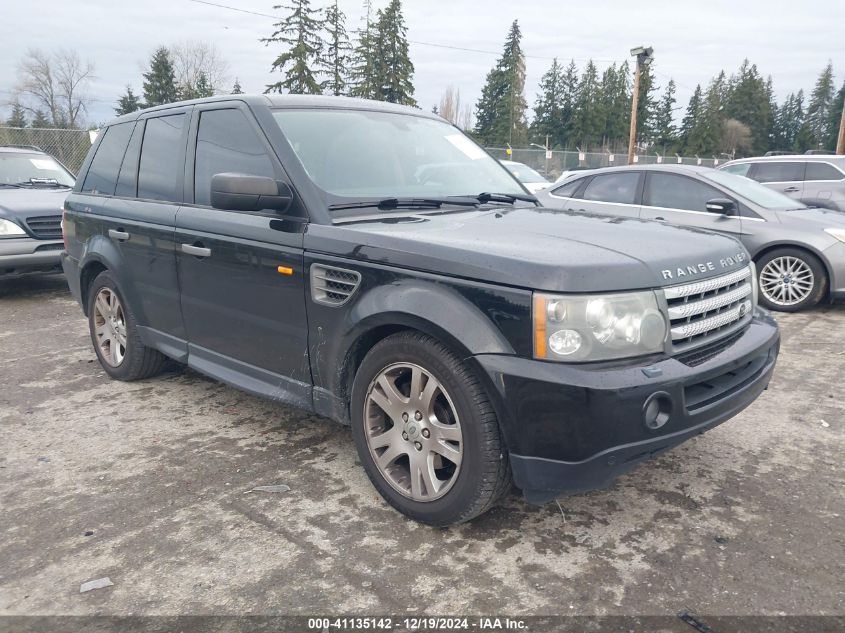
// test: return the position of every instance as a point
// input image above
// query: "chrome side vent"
(332, 286)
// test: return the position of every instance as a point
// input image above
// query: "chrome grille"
(333, 286)
(46, 227)
(702, 311)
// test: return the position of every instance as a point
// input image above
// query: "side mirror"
(242, 192)
(722, 206)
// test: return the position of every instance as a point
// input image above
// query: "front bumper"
(27, 256)
(570, 428)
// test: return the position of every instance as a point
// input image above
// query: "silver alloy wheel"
(413, 432)
(787, 281)
(110, 327)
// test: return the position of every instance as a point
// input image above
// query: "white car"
(532, 180)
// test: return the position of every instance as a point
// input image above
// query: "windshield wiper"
(10, 184)
(406, 203)
(42, 182)
(509, 198)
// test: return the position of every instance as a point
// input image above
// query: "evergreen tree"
(664, 127)
(706, 136)
(18, 116)
(569, 89)
(500, 113)
(588, 121)
(615, 97)
(748, 101)
(40, 120)
(646, 104)
(548, 116)
(336, 59)
(691, 119)
(394, 68)
(299, 34)
(127, 103)
(203, 87)
(835, 119)
(236, 89)
(821, 104)
(362, 73)
(160, 79)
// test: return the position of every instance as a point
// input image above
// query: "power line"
(417, 42)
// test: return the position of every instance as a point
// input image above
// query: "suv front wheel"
(790, 279)
(426, 432)
(114, 333)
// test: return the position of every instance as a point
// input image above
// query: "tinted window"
(127, 181)
(102, 175)
(740, 169)
(162, 159)
(620, 187)
(227, 143)
(568, 190)
(678, 192)
(778, 172)
(822, 171)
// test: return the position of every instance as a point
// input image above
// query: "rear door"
(679, 199)
(785, 176)
(824, 185)
(615, 194)
(241, 274)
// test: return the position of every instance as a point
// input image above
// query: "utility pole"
(644, 57)
(840, 143)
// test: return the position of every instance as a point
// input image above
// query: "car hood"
(823, 218)
(26, 202)
(538, 248)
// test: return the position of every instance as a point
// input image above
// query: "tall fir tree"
(500, 113)
(203, 87)
(394, 68)
(338, 52)
(362, 72)
(127, 103)
(691, 119)
(664, 126)
(17, 118)
(819, 108)
(160, 79)
(747, 101)
(836, 111)
(40, 120)
(548, 120)
(646, 104)
(615, 95)
(299, 34)
(588, 121)
(705, 137)
(236, 88)
(567, 108)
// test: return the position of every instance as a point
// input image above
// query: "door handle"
(198, 251)
(660, 218)
(790, 190)
(119, 235)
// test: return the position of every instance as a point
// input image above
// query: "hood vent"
(333, 286)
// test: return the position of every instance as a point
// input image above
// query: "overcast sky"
(790, 40)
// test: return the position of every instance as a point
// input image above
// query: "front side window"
(227, 143)
(162, 159)
(20, 169)
(669, 191)
(822, 171)
(367, 154)
(778, 172)
(619, 187)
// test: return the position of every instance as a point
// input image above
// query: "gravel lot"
(149, 484)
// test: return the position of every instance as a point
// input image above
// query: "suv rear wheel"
(791, 279)
(426, 432)
(114, 333)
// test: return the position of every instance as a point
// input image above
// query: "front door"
(241, 276)
(682, 200)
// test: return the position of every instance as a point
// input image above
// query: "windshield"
(524, 173)
(753, 191)
(364, 154)
(17, 168)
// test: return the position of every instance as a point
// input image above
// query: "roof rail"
(35, 147)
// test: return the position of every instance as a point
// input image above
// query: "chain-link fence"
(551, 164)
(68, 146)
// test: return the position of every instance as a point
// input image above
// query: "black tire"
(484, 476)
(139, 361)
(819, 285)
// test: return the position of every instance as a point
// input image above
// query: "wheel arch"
(768, 248)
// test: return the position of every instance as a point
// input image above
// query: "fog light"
(657, 410)
(565, 342)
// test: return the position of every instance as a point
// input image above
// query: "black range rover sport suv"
(371, 263)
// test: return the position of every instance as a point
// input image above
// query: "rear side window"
(778, 172)
(162, 159)
(822, 171)
(740, 169)
(621, 187)
(102, 175)
(568, 190)
(669, 191)
(226, 142)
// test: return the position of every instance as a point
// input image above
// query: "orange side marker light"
(284, 270)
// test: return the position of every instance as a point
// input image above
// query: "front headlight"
(839, 234)
(583, 328)
(10, 229)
